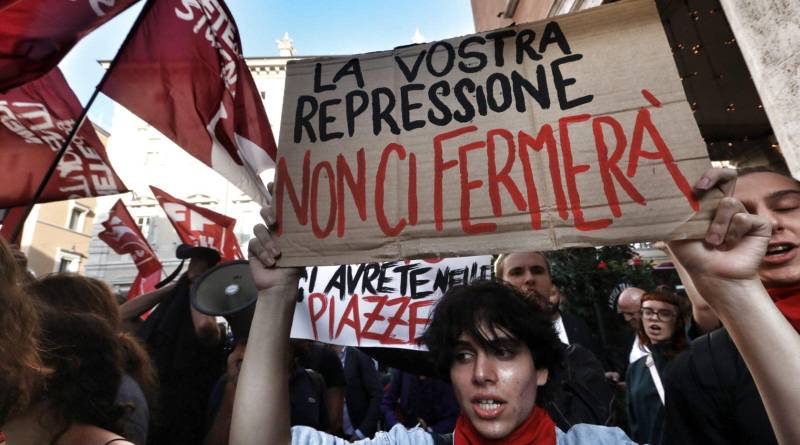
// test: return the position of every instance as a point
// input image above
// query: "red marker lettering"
(609, 166)
(571, 171)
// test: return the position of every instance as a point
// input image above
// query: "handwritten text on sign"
(558, 133)
(378, 304)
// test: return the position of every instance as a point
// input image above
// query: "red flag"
(34, 121)
(199, 226)
(36, 34)
(124, 237)
(183, 72)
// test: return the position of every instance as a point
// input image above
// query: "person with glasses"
(662, 333)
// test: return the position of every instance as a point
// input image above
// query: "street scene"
(523, 222)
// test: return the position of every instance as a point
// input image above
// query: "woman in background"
(61, 371)
(662, 332)
(138, 389)
(21, 368)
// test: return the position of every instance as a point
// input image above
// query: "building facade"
(57, 235)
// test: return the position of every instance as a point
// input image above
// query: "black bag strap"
(715, 359)
(717, 369)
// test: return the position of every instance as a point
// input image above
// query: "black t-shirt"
(306, 399)
(711, 398)
(186, 368)
(326, 362)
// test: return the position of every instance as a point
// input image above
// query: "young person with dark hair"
(662, 333)
(724, 267)
(498, 350)
(495, 346)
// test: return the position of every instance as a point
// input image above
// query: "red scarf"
(788, 302)
(538, 429)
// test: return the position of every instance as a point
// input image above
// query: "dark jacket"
(578, 332)
(307, 403)
(582, 394)
(711, 398)
(363, 391)
(323, 360)
(646, 413)
(187, 370)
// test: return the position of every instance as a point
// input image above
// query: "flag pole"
(74, 130)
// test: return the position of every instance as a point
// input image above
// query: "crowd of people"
(501, 363)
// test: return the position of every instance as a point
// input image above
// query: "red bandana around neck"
(787, 299)
(538, 429)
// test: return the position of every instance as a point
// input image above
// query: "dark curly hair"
(86, 359)
(499, 308)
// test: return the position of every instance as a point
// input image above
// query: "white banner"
(378, 304)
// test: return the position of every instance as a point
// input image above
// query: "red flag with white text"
(183, 73)
(199, 226)
(124, 237)
(35, 119)
(36, 34)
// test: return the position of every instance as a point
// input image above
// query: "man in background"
(186, 347)
(629, 305)
(584, 395)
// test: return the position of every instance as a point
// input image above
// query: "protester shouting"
(186, 347)
(715, 394)
(494, 345)
(662, 334)
(724, 267)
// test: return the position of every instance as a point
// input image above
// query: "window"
(67, 262)
(65, 265)
(144, 225)
(151, 158)
(77, 216)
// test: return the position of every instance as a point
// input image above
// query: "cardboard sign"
(566, 132)
(378, 304)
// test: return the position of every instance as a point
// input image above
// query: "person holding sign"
(724, 266)
(711, 395)
(497, 347)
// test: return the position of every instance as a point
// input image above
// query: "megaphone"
(227, 290)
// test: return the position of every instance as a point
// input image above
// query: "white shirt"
(577, 435)
(636, 350)
(560, 330)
